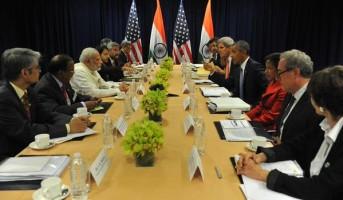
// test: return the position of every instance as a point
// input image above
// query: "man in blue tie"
(247, 79)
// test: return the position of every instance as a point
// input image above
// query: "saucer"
(241, 117)
(38, 194)
(119, 97)
(33, 145)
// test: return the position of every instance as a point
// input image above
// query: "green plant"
(143, 137)
(155, 102)
(163, 74)
(167, 63)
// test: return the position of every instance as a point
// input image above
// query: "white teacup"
(42, 140)
(236, 113)
(121, 95)
(51, 187)
(258, 141)
(82, 111)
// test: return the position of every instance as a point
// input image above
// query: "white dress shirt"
(87, 82)
(330, 137)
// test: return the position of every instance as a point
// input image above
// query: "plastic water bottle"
(199, 130)
(78, 175)
(107, 132)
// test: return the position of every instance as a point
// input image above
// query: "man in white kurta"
(86, 79)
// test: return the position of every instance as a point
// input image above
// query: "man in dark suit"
(20, 116)
(124, 62)
(54, 90)
(320, 154)
(247, 79)
(297, 115)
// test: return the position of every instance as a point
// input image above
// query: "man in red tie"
(20, 116)
(54, 90)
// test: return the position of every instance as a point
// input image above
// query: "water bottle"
(107, 132)
(128, 110)
(78, 174)
(199, 132)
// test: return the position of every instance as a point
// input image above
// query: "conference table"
(168, 178)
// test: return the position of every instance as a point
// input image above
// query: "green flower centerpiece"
(158, 82)
(142, 139)
(167, 63)
(154, 102)
(163, 74)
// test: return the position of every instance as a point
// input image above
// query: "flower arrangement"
(167, 63)
(154, 102)
(159, 81)
(163, 74)
(142, 139)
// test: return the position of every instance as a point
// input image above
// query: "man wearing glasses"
(297, 116)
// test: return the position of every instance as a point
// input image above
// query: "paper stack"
(237, 130)
(215, 91)
(32, 168)
(221, 104)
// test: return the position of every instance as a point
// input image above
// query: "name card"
(186, 103)
(121, 125)
(188, 123)
(135, 103)
(140, 89)
(195, 165)
(185, 89)
(100, 166)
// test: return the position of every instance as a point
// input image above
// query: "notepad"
(220, 104)
(237, 130)
(24, 164)
(214, 91)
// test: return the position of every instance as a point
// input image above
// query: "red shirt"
(268, 109)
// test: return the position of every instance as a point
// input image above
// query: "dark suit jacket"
(111, 72)
(51, 97)
(122, 59)
(326, 186)
(17, 130)
(302, 118)
(255, 81)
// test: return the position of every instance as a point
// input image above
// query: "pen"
(219, 174)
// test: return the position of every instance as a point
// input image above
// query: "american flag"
(133, 34)
(181, 44)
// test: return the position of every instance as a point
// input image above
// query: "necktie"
(241, 83)
(286, 111)
(66, 96)
(26, 103)
(227, 70)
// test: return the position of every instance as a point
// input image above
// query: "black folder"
(20, 185)
(106, 106)
(257, 127)
(232, 160)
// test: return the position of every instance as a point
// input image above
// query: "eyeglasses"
(279, 72)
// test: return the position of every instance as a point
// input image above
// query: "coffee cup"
(121, 95)
(258, 141)
(236, 113)
(82, 111)
(51, 187)
(42, 140)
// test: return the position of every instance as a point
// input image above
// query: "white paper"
(24, 164)
(135, 103)
(237, 130)
(215, 91)
(194, 164)
(290, 167)
(257, 190)
(188, 123)
(72, 136)
(203, 81)
(100, 166)
(186, 102)
(121, 125)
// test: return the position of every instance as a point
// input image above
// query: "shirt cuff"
(83, 104)
(269, 152)
(68, 128)
(272, 178)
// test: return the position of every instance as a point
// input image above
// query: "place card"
(195, 165)
(121, 125)
(188, 123)
(185, 89)
(135, 103)
(141, 89)
(186, 103)
(100, 166)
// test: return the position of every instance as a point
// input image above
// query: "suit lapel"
(17, 100)
(57, 88)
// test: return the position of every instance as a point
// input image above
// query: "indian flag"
(206, 33)
(158, 47)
